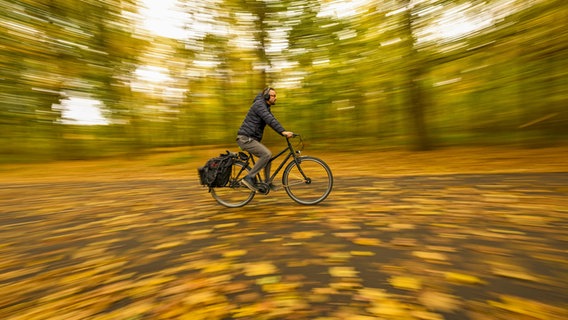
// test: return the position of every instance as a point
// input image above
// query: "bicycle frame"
(291, 154)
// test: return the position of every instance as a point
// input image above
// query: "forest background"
(86, 79)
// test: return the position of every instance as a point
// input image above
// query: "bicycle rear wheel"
(310, 182)
(234, 194)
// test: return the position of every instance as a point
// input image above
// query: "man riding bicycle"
(252, 129)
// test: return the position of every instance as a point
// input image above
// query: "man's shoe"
(249, 183)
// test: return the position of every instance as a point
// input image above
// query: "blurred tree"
(388, 71)
(28, 85)
(57, 48)
(417, 68)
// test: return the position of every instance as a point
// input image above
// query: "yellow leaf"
(367, 241)
(199, 297)
(439, 301)
(217, 267)
(199, 232)
(373, 294)
(407, 283)
(260, 269)
(225, 225)
(362, 253)
(338, 256)
(279, 287)
(425, 315)
(345, 285)
(463, 278)
(430, 255)
(401, 226)
(324, 291)
(515, 274)
(533, 309)
(268, 280)
(167, 245)
(318, 298)
(342, 272)
(390, 309)
(234, 253)
(305, 235)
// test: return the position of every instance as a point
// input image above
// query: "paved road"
(413, 247)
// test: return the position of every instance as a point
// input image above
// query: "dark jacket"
(258, 116)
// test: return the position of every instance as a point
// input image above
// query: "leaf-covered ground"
(449, 234)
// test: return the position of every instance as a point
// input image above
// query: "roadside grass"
(182, 163)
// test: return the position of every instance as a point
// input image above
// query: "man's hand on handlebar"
(288, 134)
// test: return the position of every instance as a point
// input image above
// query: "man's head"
(269, 95)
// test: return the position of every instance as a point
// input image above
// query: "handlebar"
(300, 145)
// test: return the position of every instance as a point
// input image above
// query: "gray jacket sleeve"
(266, 115)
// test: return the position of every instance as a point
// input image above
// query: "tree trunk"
(416, 95)
(417, 108)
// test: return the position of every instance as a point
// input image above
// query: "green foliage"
(383, 70)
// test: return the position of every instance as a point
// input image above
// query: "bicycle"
(307, 180)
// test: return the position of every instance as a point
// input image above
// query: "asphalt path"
(456, 246)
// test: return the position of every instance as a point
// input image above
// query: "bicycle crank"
(263, 188)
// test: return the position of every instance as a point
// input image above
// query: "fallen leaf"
(515, 275)
(234, 253)
(260, 269)
(390, 308)
(439, 301)
(373, 294)
(342, 272)
(305, 235)
(534, 309)
(430, 255)
(425, 315)
(367, 241)
(463, 278)
(362, 253)
(406, 283)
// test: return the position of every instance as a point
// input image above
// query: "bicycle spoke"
(300, 182)
(297, 179)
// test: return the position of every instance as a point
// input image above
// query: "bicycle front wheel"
(234, 194)
(307, 181)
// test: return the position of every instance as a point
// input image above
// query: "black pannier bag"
(216, 171)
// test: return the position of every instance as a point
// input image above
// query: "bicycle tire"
(312, 190)
(234, 194)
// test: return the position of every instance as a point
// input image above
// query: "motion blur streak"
(394, 73)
